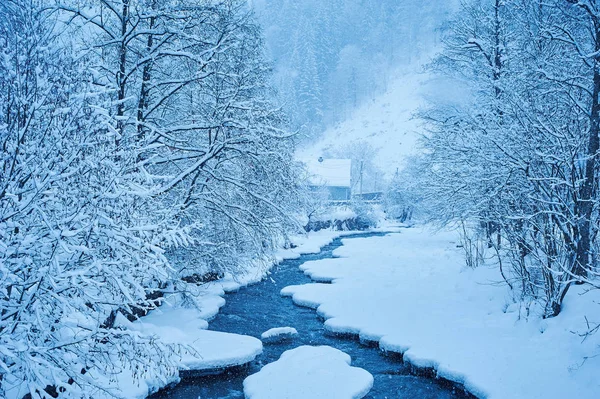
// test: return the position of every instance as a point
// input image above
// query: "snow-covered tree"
(131, 131)
(516, 155)
(80, 241)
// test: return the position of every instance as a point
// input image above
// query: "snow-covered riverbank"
(411, 292)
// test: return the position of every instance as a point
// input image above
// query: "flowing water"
(259, 307)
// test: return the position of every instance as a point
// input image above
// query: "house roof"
(329, 172)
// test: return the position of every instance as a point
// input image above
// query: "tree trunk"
(145, 90)
(585, 205)
(121, 81)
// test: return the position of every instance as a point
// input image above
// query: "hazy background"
(330, 57)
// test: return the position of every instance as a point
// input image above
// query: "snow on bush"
(355, 216)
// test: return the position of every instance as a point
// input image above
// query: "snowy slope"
(387, 123)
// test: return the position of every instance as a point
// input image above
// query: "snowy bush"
(398, 202)
(356, 216)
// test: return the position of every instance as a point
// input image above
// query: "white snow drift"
(411, 292)
(309, 372)
(207, 349)
(278, 334)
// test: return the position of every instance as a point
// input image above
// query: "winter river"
(259, 307)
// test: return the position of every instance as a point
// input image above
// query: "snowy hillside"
(387, 123)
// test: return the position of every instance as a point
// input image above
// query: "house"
(332, 175)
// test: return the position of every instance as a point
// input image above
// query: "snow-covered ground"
(411, 292)
(201, 349)
(309, 372)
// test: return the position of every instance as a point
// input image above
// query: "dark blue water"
(259, 307)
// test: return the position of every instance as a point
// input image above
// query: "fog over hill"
(333, 57)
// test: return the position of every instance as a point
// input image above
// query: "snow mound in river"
(278, 334)
(309, 372)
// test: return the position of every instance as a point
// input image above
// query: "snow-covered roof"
(329, 172)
